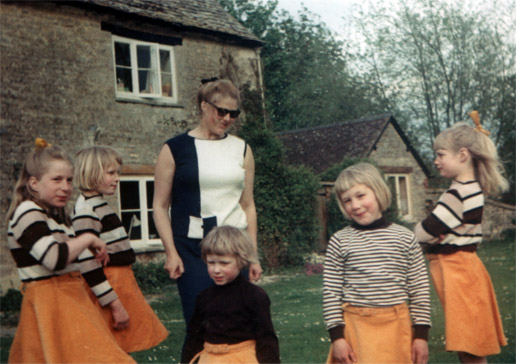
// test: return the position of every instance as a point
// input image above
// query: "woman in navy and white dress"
(206, 177)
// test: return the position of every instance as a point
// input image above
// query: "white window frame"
(135, 94)
(144, 244)
(397, 197)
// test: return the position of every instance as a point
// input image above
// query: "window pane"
(150, 193)
(132, 224)
(164, 57)
(124, 80)
(145, 57)
(403, 196)
(129, 195)
(122, 54)
(166, 85)
(148, 81)
(153, 232)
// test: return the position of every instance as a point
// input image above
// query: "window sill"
(148, 101)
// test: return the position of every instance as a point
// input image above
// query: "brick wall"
(57, 82)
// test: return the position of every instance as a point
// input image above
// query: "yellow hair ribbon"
(476, 119)
(41, 143)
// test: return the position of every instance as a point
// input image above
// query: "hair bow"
(41, 143)
(206, 80)
(476, 119)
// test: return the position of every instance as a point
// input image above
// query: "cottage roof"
(197, 15)
(323, 146)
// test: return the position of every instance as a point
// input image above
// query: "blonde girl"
(58, 323)
(372, 269)
(231, 322)
(451, 235)
(113, 287)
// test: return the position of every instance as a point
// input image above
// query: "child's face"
(361, 205)
(110, 180)
(54, 188)
(448, 163)
(223, 269)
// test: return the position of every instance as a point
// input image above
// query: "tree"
(435, 61)
(306, 76)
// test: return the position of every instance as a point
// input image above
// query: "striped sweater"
(38, 243)
(94, 215)
(457, 215)
(373, 266)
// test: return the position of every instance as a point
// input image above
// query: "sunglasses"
(223, 112)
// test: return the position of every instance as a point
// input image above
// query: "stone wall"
(57, 82)
(391, 154)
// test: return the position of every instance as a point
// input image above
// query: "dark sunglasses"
(222, 112)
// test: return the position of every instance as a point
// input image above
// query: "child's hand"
(120, 315)
(343, 352)
(99, 249)
(419, 351)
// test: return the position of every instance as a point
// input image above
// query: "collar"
(377, 224)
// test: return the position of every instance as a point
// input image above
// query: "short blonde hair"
(228, 240)
(90, 165)
(489, 170)
(366, 174)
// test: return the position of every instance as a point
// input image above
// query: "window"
(399, 184)
(135, 199)
(144, 70)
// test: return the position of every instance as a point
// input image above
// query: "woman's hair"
(366, 174)
(90, 165)
(36, 164)
(213, 90)
(488, 168)
(228, 240)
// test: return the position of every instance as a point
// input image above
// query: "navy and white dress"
(207, 187)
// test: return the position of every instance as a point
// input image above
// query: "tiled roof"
(193, 14)
(321, 147)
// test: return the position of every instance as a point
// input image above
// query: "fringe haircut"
(229, 240)
(90, 165)
(366, 174)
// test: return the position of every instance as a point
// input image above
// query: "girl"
(371, 269)
(451, 235)
(231, 319)
(132, 321)
(58, 323)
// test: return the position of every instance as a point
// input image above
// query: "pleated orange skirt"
(378, 335)
(241, 353)
(145, 329)
(472, 319)
(58, 324)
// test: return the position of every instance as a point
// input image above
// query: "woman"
(206, 176)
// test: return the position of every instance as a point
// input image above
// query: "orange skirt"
(472, 320)
(58, 324)
(378, 335)
(241, 353)
(145, 329)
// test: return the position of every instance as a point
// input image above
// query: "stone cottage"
(378, 138)
(122, 73)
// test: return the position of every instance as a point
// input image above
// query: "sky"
(338, 13)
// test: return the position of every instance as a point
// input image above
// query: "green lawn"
(297, 315)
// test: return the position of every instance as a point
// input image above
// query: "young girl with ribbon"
(58, 323)
(450, 237)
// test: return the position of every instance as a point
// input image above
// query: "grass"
(297, 315)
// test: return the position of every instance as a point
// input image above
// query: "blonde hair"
(36, 165)
(213, 90)
(91, 164)
(228, 240)
(366, 174)
(488, 168)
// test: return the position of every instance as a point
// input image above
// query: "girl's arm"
(247, 204)
(163, 179)
(267, 345)
(333, 281)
